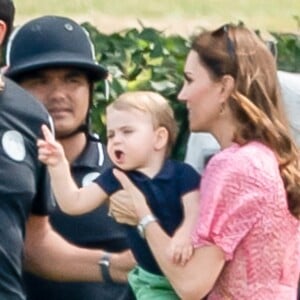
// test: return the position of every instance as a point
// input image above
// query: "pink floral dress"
(244, 212)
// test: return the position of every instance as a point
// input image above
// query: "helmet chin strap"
(83, 128)
(80, 129)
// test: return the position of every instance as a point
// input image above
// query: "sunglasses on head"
(224, 30)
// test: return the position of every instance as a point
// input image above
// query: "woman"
(247, 239)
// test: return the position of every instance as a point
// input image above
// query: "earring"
(222, 108)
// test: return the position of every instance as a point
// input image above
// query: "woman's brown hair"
(256, 98)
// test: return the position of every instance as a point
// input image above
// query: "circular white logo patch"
(13, 145)
(88, 178)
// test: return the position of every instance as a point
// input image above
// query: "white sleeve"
(290, 89)
(200, 147)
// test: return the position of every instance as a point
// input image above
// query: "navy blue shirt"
(91, 230)
(164, 195)
(24, 182)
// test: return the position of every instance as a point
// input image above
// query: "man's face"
(64, 92)
(2, 31)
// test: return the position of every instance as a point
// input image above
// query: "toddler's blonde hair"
(156, 105)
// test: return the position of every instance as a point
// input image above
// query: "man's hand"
(120, 265)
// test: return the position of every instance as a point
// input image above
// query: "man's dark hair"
(7, 14)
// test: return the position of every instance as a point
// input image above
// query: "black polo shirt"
(24, 182)
(91, 230)
(164, 195)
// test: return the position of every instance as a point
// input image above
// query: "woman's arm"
(197, 277)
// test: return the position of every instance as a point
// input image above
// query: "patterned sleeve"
(231, 197)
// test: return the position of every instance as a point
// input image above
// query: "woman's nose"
(181, 95)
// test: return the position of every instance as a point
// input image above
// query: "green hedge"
(288, 51)
(147, 59)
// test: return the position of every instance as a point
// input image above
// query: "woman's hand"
(122, 209)
(129, 205)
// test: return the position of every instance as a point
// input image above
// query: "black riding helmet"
(52, 41)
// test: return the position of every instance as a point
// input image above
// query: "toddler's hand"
(50, 152)
(181, 247)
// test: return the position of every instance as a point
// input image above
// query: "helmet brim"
(63, 59)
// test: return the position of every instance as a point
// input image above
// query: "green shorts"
(148, 286)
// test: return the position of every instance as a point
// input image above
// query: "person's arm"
(191, 281)
(71, 199)
(181, 245)
(197, 277)
(48, 255)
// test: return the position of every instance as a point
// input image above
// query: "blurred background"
(144, 43)
(171, 16)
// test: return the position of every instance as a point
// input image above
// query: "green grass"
(272, 15)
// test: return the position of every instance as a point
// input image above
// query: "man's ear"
(3, 29)
(161, 139)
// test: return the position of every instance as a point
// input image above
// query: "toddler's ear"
(161, 139)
